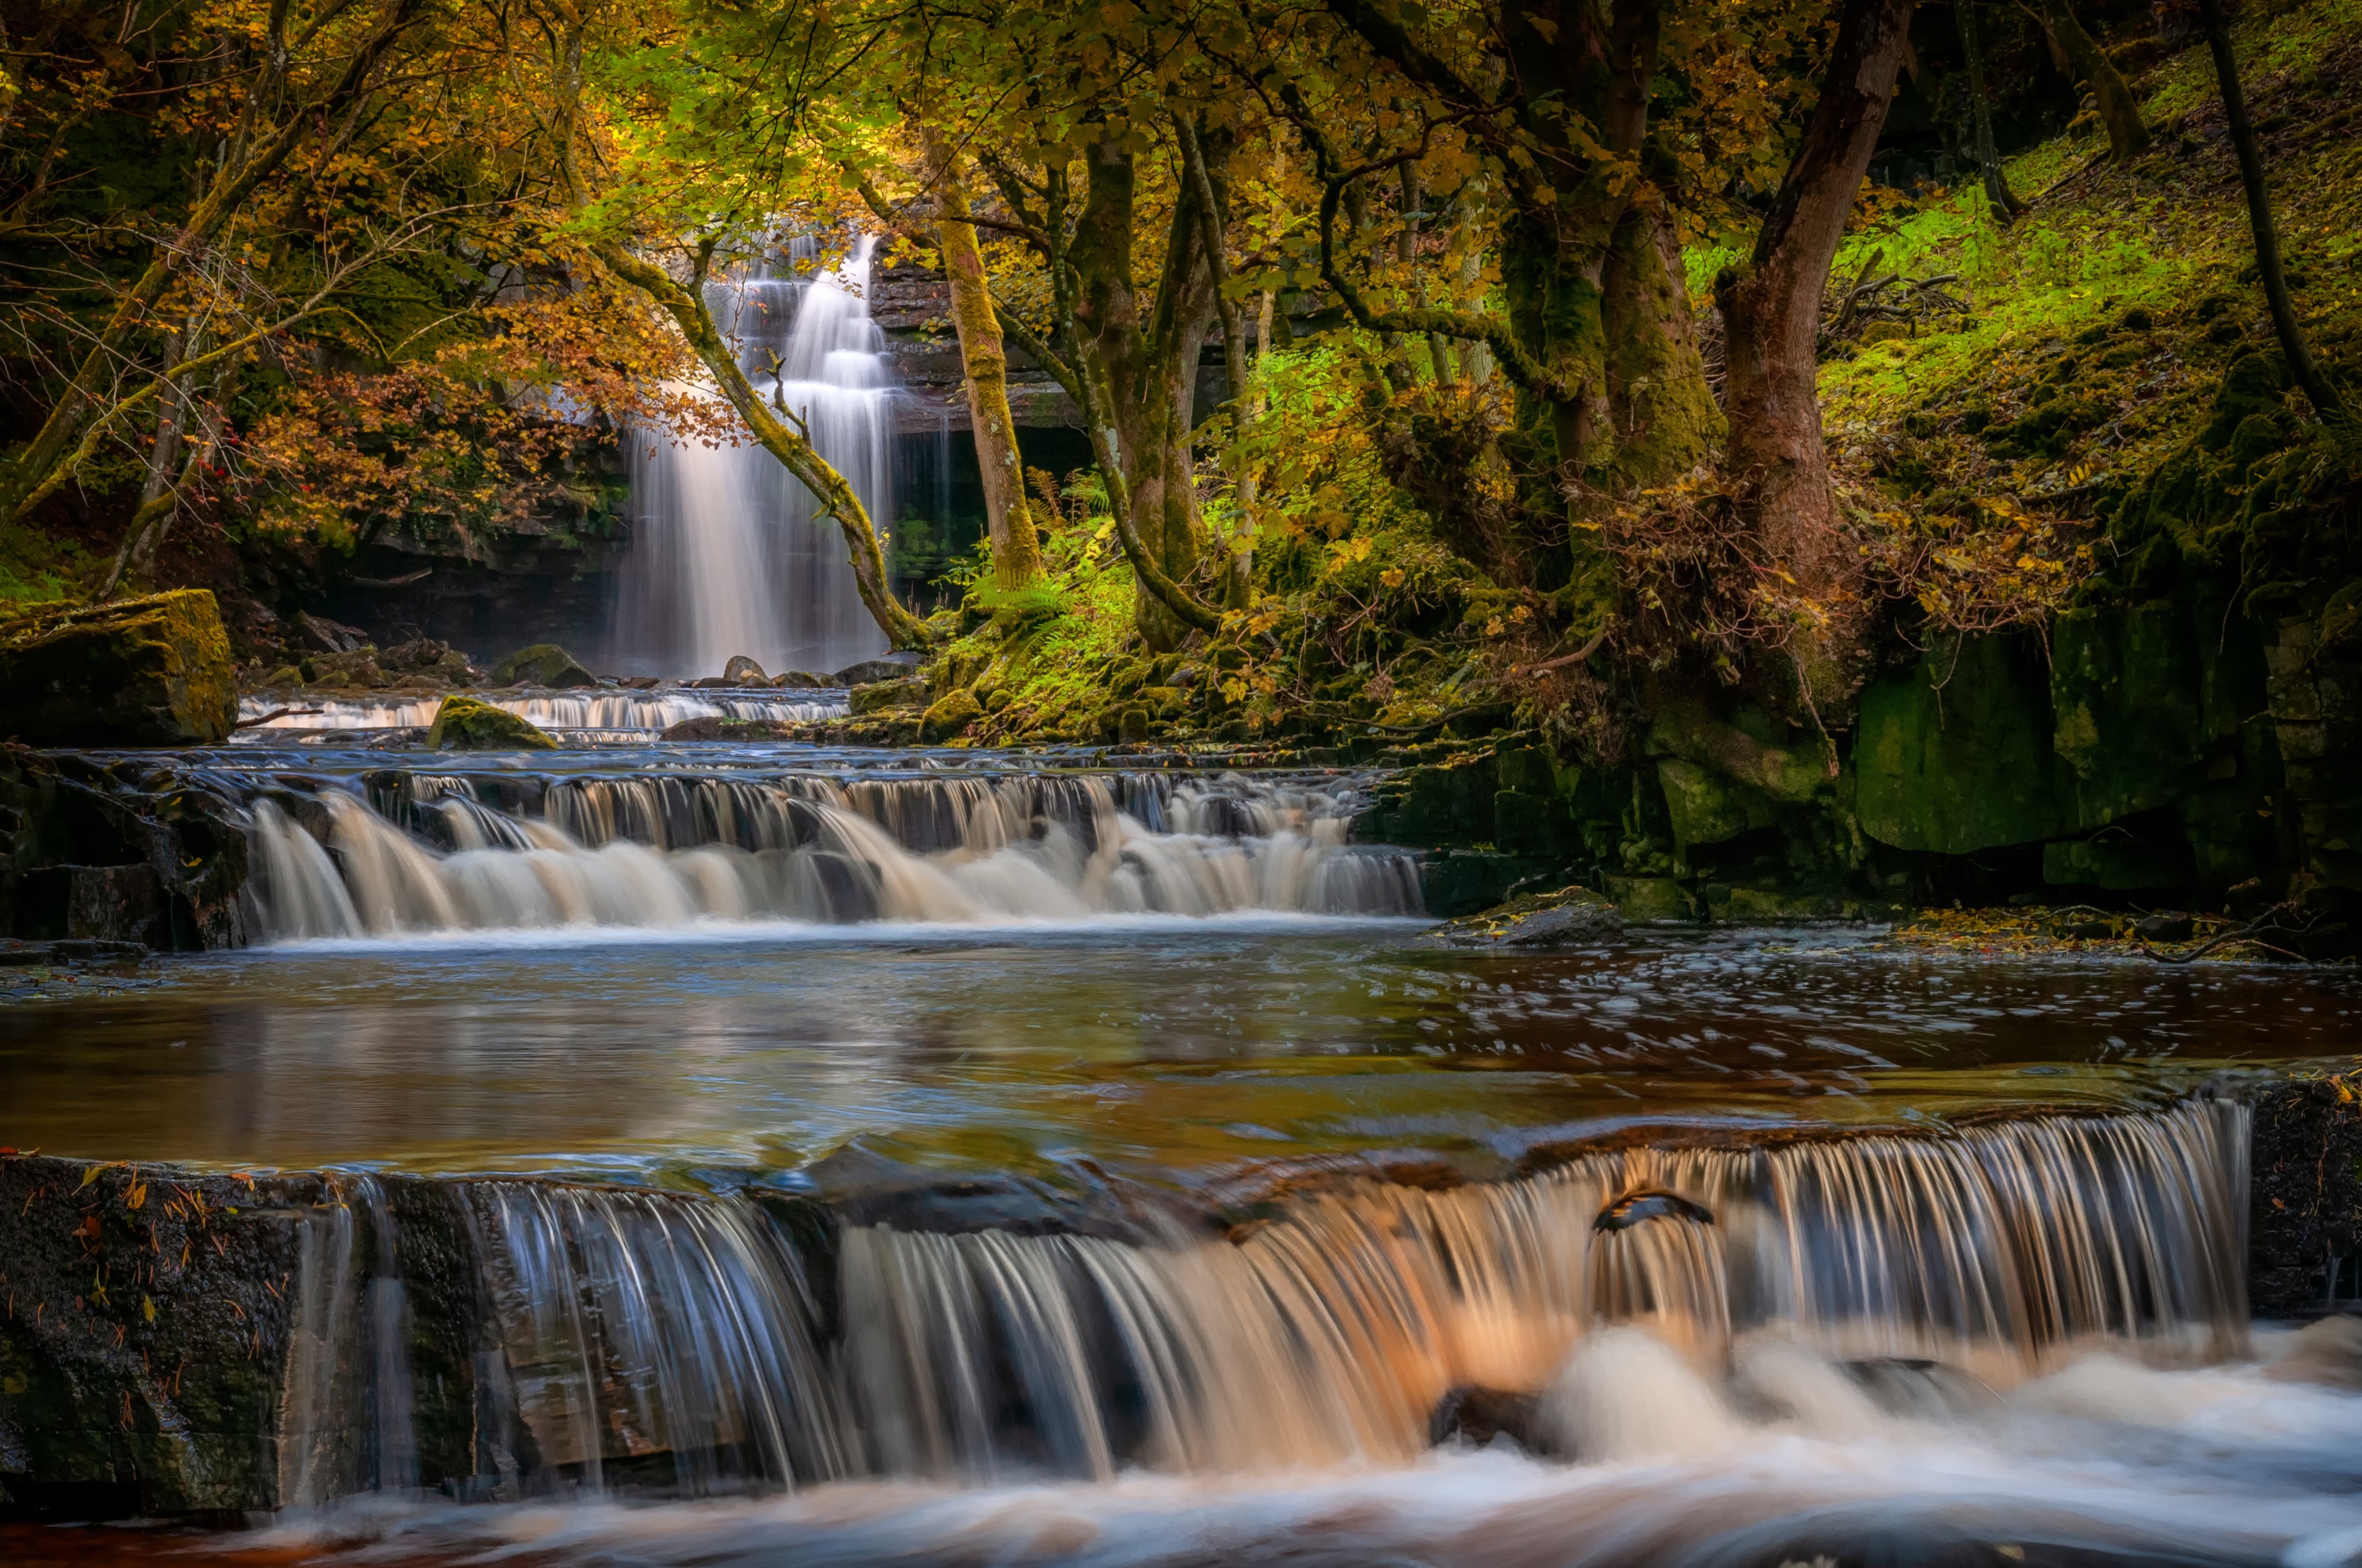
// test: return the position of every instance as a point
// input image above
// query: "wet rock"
(743, 671)
(1954, 755)
(1476, 1414)
(1571, 917)
(950, 715)
(464, 724)
(543, 664)
(15, 954)
(801, 680)
(879, 696)
(640, 683)
(2163, 927)
(142, 1368)
(1651, 899)
(116, 851)
(893, 667)
(153, 671)
(1639, 1207)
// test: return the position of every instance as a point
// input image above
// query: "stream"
(777, 1155)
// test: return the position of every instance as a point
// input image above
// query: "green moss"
(153, 671)
(466, 724)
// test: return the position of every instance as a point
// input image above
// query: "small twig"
(274, 714)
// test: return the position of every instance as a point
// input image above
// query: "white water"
(607, 713)
(728, 555)
(665, 852)
(1192, 1399)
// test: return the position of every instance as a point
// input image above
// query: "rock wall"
(116, 852)
(2166, 754)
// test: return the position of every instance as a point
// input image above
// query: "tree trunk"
(1016, 550)
(1772, 312)
(2005, 204)
(1150, 368)
(2119, 110)
(686, 305)
(2302, 364)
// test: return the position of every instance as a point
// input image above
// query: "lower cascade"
(604, 1340)
(413, 853)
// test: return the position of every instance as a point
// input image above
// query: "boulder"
(543, 664)
(1651, 899)
(803, 681)
(880, 695)
(1474, 1414)
(464, 724)
(893, 667)
(950, 715)
(153, 671)
(1571, 917)
(317, 634)
(743, 671)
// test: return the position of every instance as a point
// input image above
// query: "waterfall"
(617, 715)
(691, 1344)
(729, 555)
(427, 853)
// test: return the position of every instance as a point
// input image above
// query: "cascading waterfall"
(618, 714)
(428, 854)
(666, 1340)
(729, 555)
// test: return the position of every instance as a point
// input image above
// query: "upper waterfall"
(729, 556)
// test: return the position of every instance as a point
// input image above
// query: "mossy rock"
(464, 723)
(950, 715)
(1954, 755)
(543, 664)
(2124, 691)
(879, 696)
(1570, 917)
(153, 671)
(1707, 808)
(1651, 899)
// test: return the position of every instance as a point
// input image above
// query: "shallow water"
(1169, 1049)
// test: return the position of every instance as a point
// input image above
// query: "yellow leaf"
(1392, 576)
(147, 1307)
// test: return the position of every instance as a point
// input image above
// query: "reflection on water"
(1169, 1049)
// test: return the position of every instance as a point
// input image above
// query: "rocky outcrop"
(466, 723)
(543, 664)
(950, 715)
(116, 852)
(153, 671)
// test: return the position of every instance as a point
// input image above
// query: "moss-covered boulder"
(950, 715)
(153, 671)
(1707, 807)
(879, 696)
(1953, 755)
(543, 664)
(464, 723)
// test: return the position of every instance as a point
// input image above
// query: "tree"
(984, 363)
(1771, 314)
(2302, 364)
(2119, 110)
(198, 303)
(2006, 206)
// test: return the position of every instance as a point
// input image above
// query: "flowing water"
(764, 1154)
(728, 553)
(610, 717)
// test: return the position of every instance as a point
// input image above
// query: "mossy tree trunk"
(1147, 364)
(1016, 550)
(2302, 364)
(685, 302)
(2119, 110)
(1596, 337)
(1772, 313)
